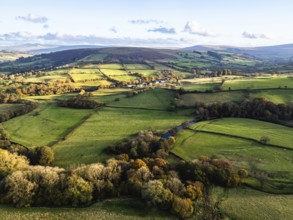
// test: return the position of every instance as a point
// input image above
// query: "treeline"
(54, 88)
(258, 108)
(179, 189)
(81, 102)
(21, 109)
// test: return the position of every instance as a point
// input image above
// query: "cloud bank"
(248, 35)
(143, 21)
(163, 30)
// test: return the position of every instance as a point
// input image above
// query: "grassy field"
(249, 204)
(259, 83)
(46, 78)
(279, 96)
(124, 78)
(113, 66)
(45, 127)
(198, 87)
(190, 99)
(249, 128)
(144, 72)
(123, 208)
(109, 126)
(114, 72)
(153, 99)
(137, 67)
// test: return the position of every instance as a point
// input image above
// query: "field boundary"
(137, 108)
(72, 129)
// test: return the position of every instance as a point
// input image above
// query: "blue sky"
(150, 23)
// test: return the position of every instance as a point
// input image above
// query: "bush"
(11, 162)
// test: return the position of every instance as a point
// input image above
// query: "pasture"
(122, 208)
(137, 67)
(152, 99)
(45, 125)
(189, 99)
(248, 128)
(113, 66)
(248, 204)
(87, 143)
(259, 83)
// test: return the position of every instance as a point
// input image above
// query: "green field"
(190, 99)
(114, 72)
(249, 204)
(123, 208)
(279, 96)
(85, 74)
(152, 99)
(144, 72)
(109, 126)
(42, 129)
(137, 67)
(248, 128)
(259, 83)
(46, 78)
(113, 66)
(123, 78)
(198, 87)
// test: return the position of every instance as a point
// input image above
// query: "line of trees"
(34, 89)
(20, 109)
(258, 108)
(81, 102)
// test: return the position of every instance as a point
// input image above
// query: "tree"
(182, 207)
(264, 139)
(155, 193)
(11, 162)
(45, 156)
(78, 191)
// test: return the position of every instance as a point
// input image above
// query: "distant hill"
(279, 52)
(43, 48)
(11, 56)
(203, 60)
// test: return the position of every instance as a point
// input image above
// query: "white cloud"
(193, 27)
(254, 36)
(145, 21)
(33, 18)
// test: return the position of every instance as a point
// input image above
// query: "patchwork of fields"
(81, 137)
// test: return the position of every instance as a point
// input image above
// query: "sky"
(147, 23)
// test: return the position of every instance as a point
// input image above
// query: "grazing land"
(124, 208)
(244, 203)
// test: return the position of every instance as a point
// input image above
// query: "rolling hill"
(278, 52)
(184, 61)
